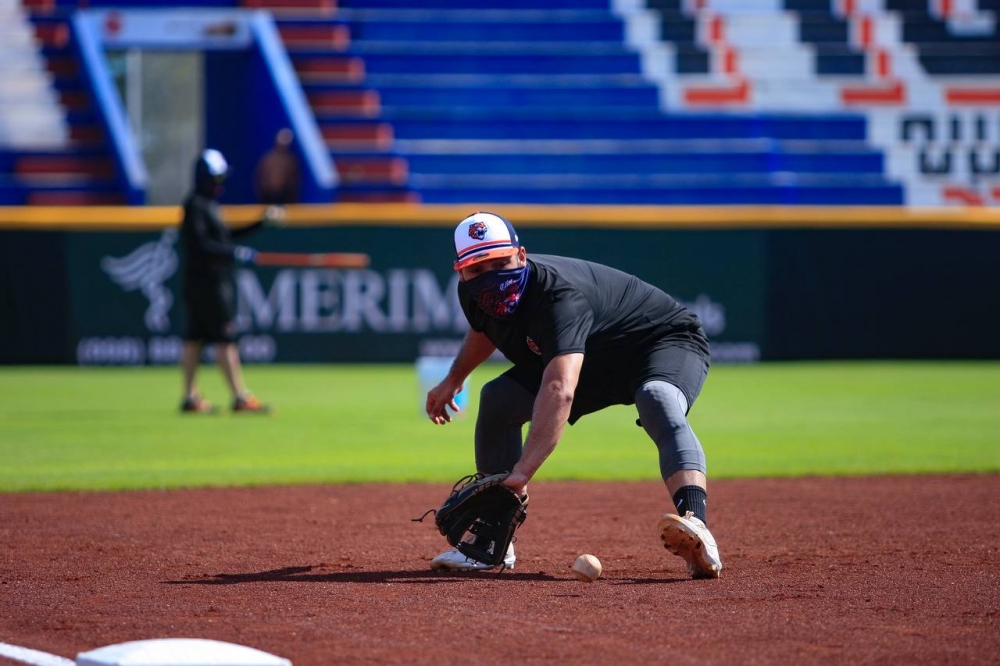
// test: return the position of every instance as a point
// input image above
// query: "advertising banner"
(126, 306)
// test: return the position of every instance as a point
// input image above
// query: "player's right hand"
(440, 398)
(275, 216)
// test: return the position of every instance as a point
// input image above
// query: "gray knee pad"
(662, 411)
(504, 407)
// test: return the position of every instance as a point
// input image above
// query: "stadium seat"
(547, 102)
(66, 162)
(593, 101)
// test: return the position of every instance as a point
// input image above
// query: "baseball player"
(581, 336)
(209, 257)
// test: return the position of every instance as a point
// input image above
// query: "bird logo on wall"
(145, 269)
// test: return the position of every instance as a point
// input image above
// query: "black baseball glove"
(480, 516)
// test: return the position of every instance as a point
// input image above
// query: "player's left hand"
(517, 481)
(244, 255)
(480, 504)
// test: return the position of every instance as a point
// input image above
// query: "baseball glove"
(480, 516)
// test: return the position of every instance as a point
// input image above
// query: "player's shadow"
(647, 581)
(306, 575)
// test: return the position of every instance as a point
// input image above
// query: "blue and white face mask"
(498, 293)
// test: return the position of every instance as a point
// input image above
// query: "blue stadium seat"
(676, 161)
(414, 30)
(80, 172)
(479, 5)
(450, 123)
(546, 101)
(542, 101)
(660, 193)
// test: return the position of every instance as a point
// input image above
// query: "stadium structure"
(736, 102)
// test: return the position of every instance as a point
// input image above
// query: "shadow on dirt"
(307, 575)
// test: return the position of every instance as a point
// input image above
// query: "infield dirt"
(817, 571)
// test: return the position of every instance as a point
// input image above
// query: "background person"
(582, 337)
(208, 290)
(276, 178)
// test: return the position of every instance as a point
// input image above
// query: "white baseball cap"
(483, 236)
(216, 163)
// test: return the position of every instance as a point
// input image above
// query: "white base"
(178, 652)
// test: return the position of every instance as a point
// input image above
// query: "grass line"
(118, 428)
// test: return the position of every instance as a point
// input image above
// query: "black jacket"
(207, 243)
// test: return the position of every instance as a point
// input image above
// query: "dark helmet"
(210, 171)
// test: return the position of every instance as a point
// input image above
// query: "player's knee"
(491, 395)
(499, 400)
(662, 410)
(505, 391)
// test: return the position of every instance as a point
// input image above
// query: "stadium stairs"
(605, 101)
(62, 157)
(933, 64)
(347, 110)
(546, 101)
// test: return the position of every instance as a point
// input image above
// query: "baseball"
(587, 568)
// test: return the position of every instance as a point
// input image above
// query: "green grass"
(90, 428)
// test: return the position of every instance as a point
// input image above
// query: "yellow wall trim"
(151, 218)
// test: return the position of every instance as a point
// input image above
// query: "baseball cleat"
(197, 405)
(453, 560)
(247, 403)
(689, 539)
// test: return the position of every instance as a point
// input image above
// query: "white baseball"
(587, 568)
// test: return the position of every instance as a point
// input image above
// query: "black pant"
(211, 314)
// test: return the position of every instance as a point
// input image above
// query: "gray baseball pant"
(505, 406)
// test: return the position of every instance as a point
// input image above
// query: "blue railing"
(319, 164)
(131, 166)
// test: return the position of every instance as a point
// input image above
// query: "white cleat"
(453, 560)
(690, 539)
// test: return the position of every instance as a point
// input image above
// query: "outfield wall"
(101, 286)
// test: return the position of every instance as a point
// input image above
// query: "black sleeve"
(249, 229)
(566, 325)
(203, 242)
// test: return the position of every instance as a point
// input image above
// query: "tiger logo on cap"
(478, 230)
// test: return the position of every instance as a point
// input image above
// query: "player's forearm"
(476, 348)
(200, 243)
(548, 420)
(216, 250)
(551, 412)
(239, 232)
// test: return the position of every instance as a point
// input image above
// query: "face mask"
(497, 292)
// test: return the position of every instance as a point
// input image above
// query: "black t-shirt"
(615, 319)
(207, 243)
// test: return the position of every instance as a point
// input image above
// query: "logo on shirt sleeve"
(533, 346)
